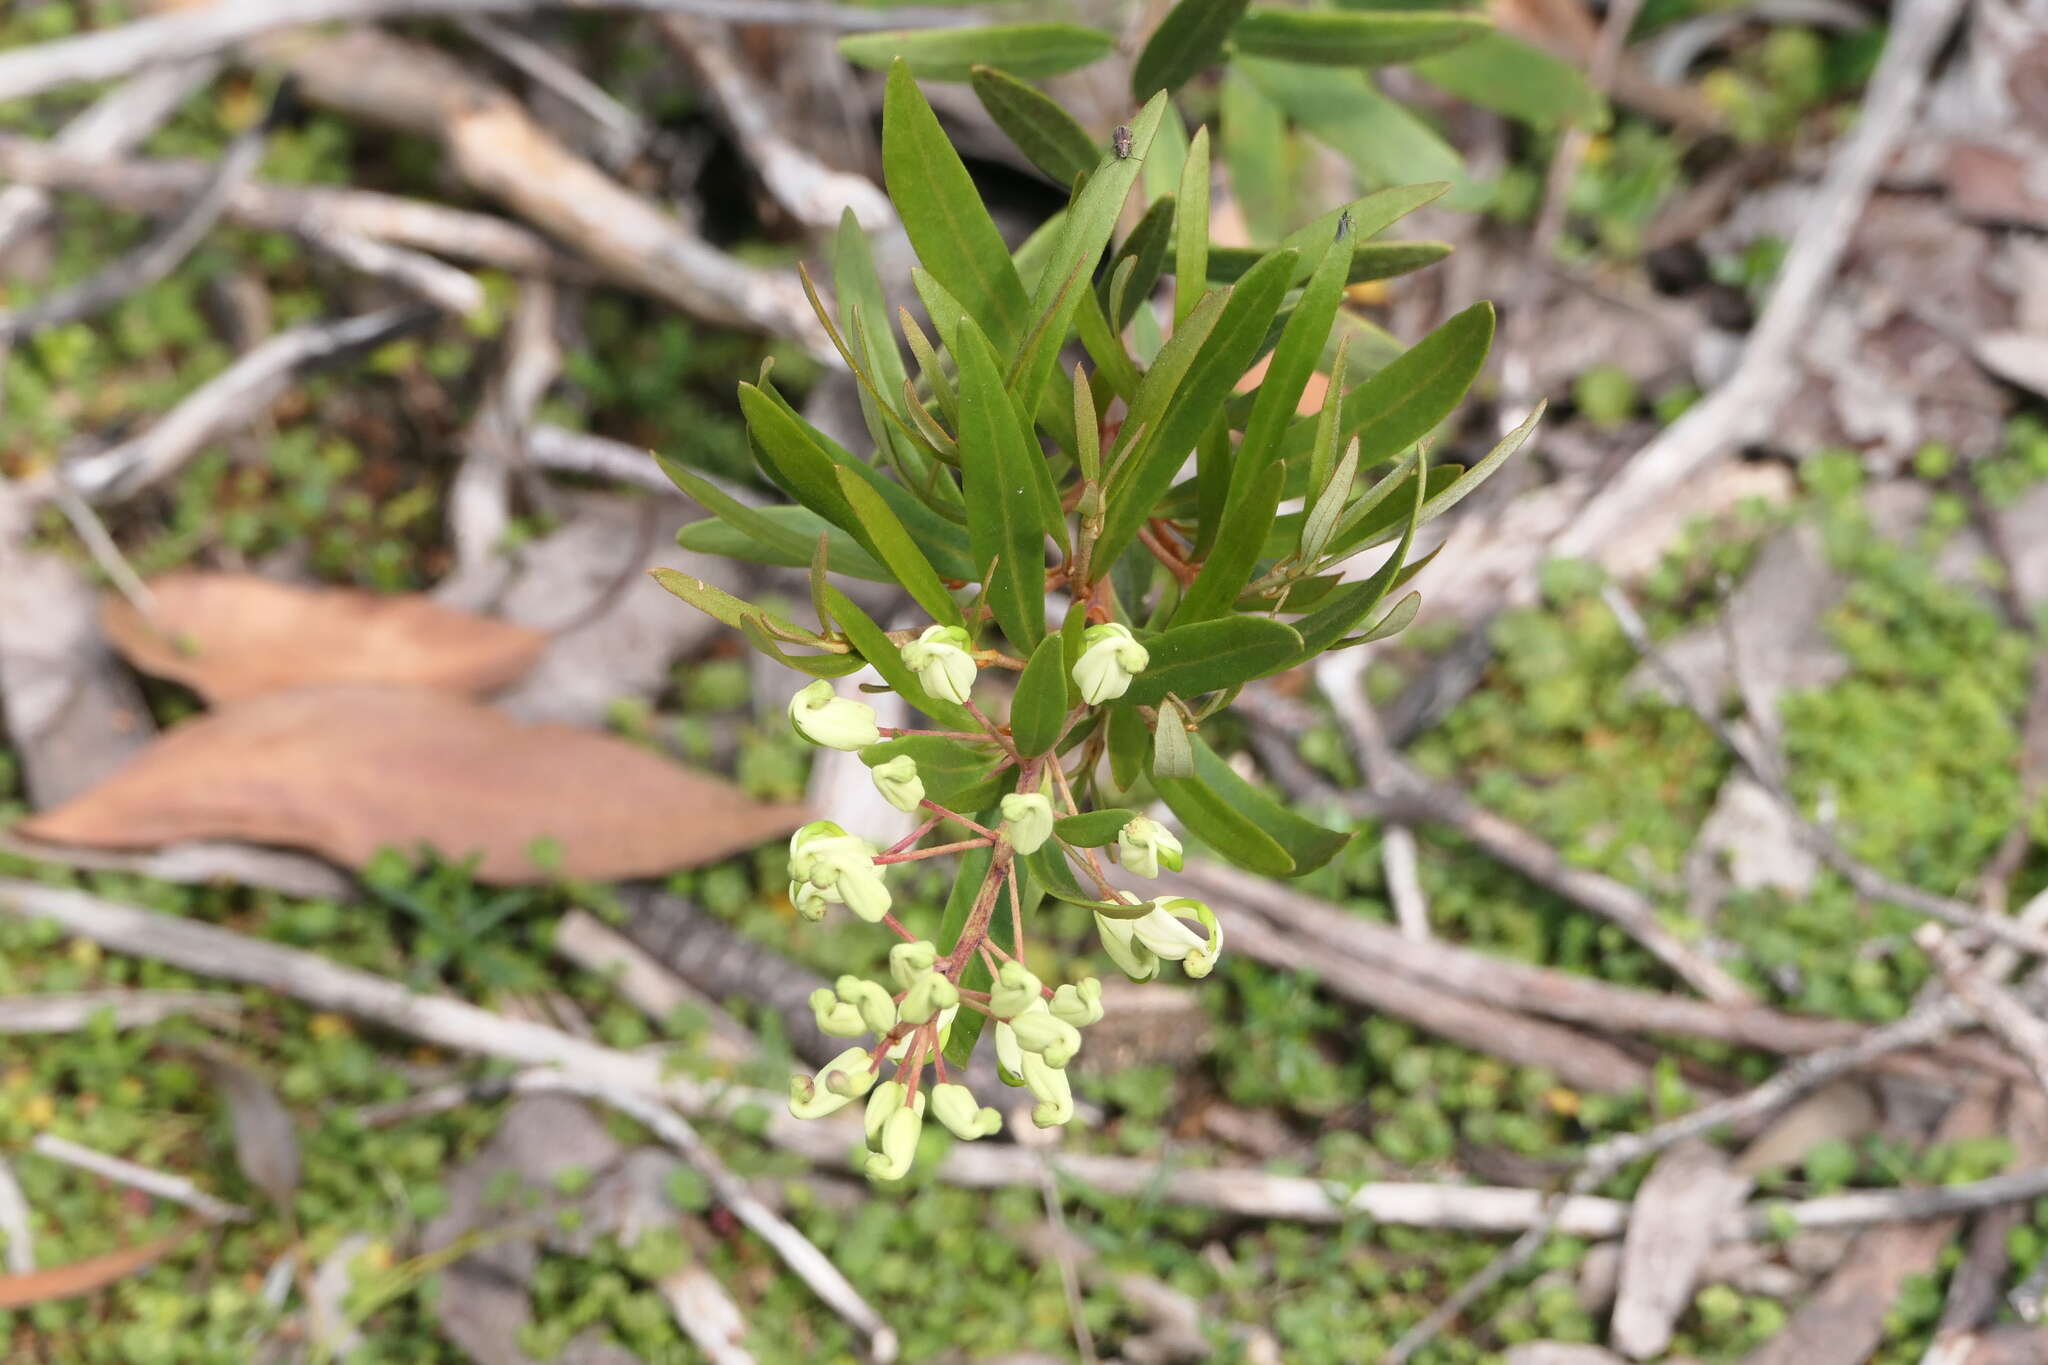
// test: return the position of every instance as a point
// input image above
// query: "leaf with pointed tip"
(951, 54)
(894, 546)
(1502, 73)
(1392, 622)
(1210, 817)
(1095, 828)
(1039, 708)
(1191, 230)
(1305, 844)
(730, 542)
(1210, 656)
(1385, 142)
(817, 665)
(1171, 755)
(1007, 486)
(1351, 38)
(1146, 247)
(1350, 605)
(943, 214)
(1405, 401)
(1038, 124)
(1187, 42)
(1369, 260)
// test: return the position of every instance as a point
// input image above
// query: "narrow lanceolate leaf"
(1392, 622)
(1232, 345)
(864, 319)
(1352, 38)
(1087, 428)
(733, 512)
(895, 547)
(721, 605)
(1089, 221)
(1171, 755)
(1385, 142)
(1191, 232)
(1321, 521)
(1306, 844)
(1042, 129)
(1210, 817)
(943, 214)
(1368, 260)
(1471, 478)
(1187, 42)
(1367, 216)
(1039, 708)
(1007, 485)
(793, 460)
(726, 541)
(1405, 401)
(817, 665)
(1095, 828)
(1515, 78)
(1146, 249)
(951, 54)
(1210, 656)
(1348, 606)
(1255, 148)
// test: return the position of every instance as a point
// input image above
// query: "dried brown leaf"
(84, 1277)
(345, 771)
(230, 635)
(266, 1142)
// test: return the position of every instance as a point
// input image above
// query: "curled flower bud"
(1110, 658)
(1027, 820)
(1015, 991)
(1144, 845)
(898, 1144)
(1079, 1003)
(809, 1099)
(807, 842)
(956, 1107)
(809, 901)
(900, 1049)
(928, 995)
(941, 662)
(1049, 1084)
(1119, 940)
(836, 1018)
(877, 1010)
(909, 961)
(898, 782)
(825, 718)
(1165, 932)
(885, 1100)
(843, 869)
(1053, 1039)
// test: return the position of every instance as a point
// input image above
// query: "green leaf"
(716, 602)
(1395, 620)
(1171, 755)
(727, 541)
(1095, 828)
(1305, 844)
(735, 513)
(1405, 401)
(1349, 605)
(1105, 347)
(955, 774)
(1470, 479)
(795, 461)
(1227, 352)
(1368, 216)
(895, 548)
(886, 658)
(1073, 643)
(1209, 656)
(1255, 148)
(1048, 867)
(1007, 486)
(1038, 124)
(1039, 708)
(1321, 521)
(1187, 42)
(1089, 222)
(1210, 817)
(1515, 78)
(817, 665)
(1369, 260)
(1146, 248)
(1344, 38)
(1191, 232)
(943, 215)
(1087, 429)
(1385, 142)
(1130, 744)
(864, 319)
(951, 54)
(967, 880)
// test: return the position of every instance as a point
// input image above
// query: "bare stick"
(480, 497)
(160, 186)
(115, 52)
(231, 399)
(1999, 1010)
(155, 258)
(624, 133)
(805, 1260)
(1743, 406)
(67, 1012)
(448, 289)
(175, 1188)
(14, 1224)
(599, 457)
(657, 992)
(1341, 677)
(92, 533)
(119, 120)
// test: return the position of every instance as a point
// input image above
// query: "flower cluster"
(909, 1019)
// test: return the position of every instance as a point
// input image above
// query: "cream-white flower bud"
(836, 1018)
(1049, 1085)
(1051, 1038)
(956, 1107)
(877, 1009)
(1078, 1002)
(1144, 846)
(928, 995)
(898, 782)
(941, 662)
(897, 1143)
(1165, 932)
(1015, 990)
(812, 1097)
(809, 901)
(1110, 658)
(909, 961)
(825, 718)
(1027, 820)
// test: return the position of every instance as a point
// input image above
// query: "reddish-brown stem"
(958, 818)
(1154, 536)
(1017, 919)
(885, 859)
(899, 732)
(897, 925)
(907, 840)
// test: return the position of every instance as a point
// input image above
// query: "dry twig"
(69, 1011)
(175, 1188)
(14, 1224)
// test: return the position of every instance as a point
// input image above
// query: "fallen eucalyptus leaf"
(346, 771)
(230, 635)
(86, 1276)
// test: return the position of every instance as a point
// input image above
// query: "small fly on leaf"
(1120, 140)
(1343, 225)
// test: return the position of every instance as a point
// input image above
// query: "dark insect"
(1343, 225)
(1120, 140)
